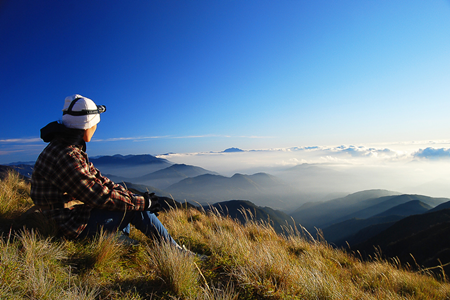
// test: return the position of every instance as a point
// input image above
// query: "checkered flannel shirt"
(63, 173)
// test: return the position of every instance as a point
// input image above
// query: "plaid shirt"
(63, 173)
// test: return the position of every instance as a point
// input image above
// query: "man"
(63, 176)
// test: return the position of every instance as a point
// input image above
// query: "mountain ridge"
(416, 240)
(344, 232)
(166, 177)
(379, 205)
(267, 189)
(119, 159)
(329, 212)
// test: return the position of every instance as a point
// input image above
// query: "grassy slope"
(246, 261)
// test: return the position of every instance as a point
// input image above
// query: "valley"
(394, 221)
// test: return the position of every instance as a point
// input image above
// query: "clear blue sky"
(185, 76)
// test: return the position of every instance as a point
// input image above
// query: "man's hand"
(152, 203)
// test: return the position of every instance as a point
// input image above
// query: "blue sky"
(193, 76)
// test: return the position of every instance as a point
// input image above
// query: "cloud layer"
(410, 167)
(433, 153)
(400, 167)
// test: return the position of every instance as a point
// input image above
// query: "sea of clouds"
(419, 167)
(409, 167)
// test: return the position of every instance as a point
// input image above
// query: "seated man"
(63, 175)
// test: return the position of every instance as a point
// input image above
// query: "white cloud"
(432, 153)
(279, 158)
(21, 140)
(7, 152)
(362, 167)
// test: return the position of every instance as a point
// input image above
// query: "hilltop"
(245, 261)
(168, 176)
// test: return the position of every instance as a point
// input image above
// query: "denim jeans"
(113, 221)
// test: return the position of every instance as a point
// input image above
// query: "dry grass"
(175, 268)
(14, 196)
(246, 261)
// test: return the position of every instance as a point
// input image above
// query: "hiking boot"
(123, 239)
(202, 257)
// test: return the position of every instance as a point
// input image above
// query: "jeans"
(113, 221)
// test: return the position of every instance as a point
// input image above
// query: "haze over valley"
(353, 196)
(296, 174)
(287, 177)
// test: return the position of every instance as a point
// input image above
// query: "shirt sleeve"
(104, 180)
(82, 181)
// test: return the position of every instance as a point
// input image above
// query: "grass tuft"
(246, 261)
(14, 196)
(175, 268)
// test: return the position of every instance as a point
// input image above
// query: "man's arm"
(81, 182)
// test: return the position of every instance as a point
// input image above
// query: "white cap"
(80, 112)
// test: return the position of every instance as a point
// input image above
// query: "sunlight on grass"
(14, 196)
(175, 268)
(249, 261)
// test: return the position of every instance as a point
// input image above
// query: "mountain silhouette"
(25, 170)
(416, 240)
(379, 205)
(329, 212)
(343, 232)
(128, 160)
(413, 207)
(129, 166)
(171, 175)
(441, 206)
(232, 150)
(266, 189)
(340, 233)
(5, 170)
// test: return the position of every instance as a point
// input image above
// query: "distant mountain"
(173, 174)
(444, 205)
(424, 237)
(4, 170)
(232, 150)
(129, 166)
(23, 169)
(243, 210)
(343, 232)
(414, 207)
(18, 163)
(329, 212)
(262, 188)
(128, 160)
(304, 206)
(367, 233)
(379, 205)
